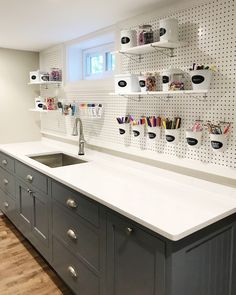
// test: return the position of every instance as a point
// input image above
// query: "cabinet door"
(136, 260)
(34, 215)
(25, 205)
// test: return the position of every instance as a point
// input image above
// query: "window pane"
(96, 64)
(110, 61)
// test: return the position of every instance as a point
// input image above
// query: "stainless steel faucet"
(81, 135)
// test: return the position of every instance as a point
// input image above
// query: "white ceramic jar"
(128, 39)
(169, 30)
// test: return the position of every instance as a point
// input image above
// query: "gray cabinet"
(34, 217)
(99, 252)
(136, 260)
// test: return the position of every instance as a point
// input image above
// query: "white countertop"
(170, 204)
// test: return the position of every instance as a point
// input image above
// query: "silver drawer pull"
(72, 271)
(5, 181)
(71, 203)
(4, 162)
(29, 178)
(6, 205)
(129, 231)
(71, 234)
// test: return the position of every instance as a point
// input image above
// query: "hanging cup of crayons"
(138, 127)
(124, 124)
(201, 76)
(172, 129)
(219, 135)
(153, 127)
(194, 135)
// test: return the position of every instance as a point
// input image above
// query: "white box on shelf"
(37, 76)
(125, 83)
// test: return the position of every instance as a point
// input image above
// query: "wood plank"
(22, 270)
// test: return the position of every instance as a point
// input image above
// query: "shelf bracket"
(131, 56)
(163, 51)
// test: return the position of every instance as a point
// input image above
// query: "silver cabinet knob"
(30, 192)
(71, 203)
(5, 181)
(71, 234)
(29, 178)
(72, 272)
(129, 231)
(6, 205)
(4, 162)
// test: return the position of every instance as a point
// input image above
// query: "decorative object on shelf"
(128, 39)
(194, 135)
(39, 104)
(43, 77)
(173, 80)
(125, 83)
(38, 76)
(145, 35)
(169, 30)
(142, 83)
(51, 103)
(219, 135)
(201, 76)
(56, 74)
(151, 81)
(172, 129)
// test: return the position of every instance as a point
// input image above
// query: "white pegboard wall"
(209, 31)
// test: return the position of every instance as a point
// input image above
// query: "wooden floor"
(22, 270)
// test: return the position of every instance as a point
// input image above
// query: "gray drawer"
(32, 176)
(7, 182)
(78, 277)
(7, 162)
(75, 202)
(8, 206)
(77, 234)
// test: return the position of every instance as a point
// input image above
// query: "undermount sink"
(57, 160)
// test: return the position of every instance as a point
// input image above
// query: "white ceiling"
(35, 25)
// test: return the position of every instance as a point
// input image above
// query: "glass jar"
(145, 35)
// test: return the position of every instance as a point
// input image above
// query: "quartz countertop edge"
(171, 205)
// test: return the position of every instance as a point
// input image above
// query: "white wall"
(17, 124)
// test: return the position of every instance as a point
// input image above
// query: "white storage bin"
(128, 39)
(142, 83)
(172, 135)
(138, 130)
(194, 138)
(124, 129)
(201, 79)
(169, 30)
(126, 83)
(218, 142)
(154, 132)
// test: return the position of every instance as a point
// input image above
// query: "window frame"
(94, 51)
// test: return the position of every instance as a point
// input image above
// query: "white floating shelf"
(161, 93)
(151, 47)
(46, 83)
(43, 111)
(38, 111)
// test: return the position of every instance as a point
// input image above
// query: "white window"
(91, 58)
(98, 62)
